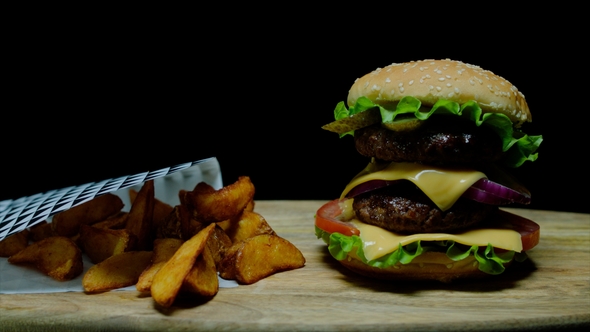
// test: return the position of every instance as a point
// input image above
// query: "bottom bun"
(428, 266)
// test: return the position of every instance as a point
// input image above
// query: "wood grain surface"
(550, 291)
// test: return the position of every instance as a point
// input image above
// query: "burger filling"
(442, 140)
(404, 208)
(439, 207)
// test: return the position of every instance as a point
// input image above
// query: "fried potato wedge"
(14, 243)
(164, 249)
(41, 231)
(116, 221)
(212, 205)
(117, 271)
(169, 279)
(258, 257)
(102, 243)
(140, 218)
(57, 256)
(67, 223)
(202, 278)
(248, 225)
(218, 243)
(171, 226)
(161, 209)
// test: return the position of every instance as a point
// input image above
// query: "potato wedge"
(40, 231)
(212, 205)
(14, 243)
(218, 243)
(67, 223)
(140, 218)
(116, 221)
(57, 256)
(164, 249)
(258, 257)
(102, 243)
(117, 271)
(202, 278)
(168, 280)
(171, 226)
(161, 209)
(248, 225)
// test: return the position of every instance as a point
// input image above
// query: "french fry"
(102, 243)
(212, 205)
(258, 257)
(248, 225)
(139, 220)
(164, 249)
(169, 279)
(117, 271)
(14, 243)
(57, 256)
(67, 223)
(202, 278)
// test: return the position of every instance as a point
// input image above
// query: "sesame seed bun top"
(431, 80)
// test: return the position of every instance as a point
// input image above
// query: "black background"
(87, 102)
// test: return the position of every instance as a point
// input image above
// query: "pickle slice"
(403, 124)
(354, 122)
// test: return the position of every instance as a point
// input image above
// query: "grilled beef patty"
(439, 141)
(403, 208)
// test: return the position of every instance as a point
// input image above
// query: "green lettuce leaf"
(489, 262)
(518, 146)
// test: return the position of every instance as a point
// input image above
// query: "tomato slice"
(326, 219)
(530, 231)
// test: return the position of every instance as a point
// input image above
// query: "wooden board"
(551, 291)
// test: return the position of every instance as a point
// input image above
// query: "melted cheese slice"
(378, 242)
(442, 185)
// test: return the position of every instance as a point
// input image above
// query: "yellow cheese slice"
(378, 242)
(442, 185)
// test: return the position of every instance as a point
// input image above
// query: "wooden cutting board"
(551, 291)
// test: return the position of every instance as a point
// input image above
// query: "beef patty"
(438, 141)
(403, 208)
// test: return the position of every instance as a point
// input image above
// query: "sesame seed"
(438, 88)
(411, 82)
(441, 79)
(387, 80)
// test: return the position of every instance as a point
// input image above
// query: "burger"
(440, 137)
